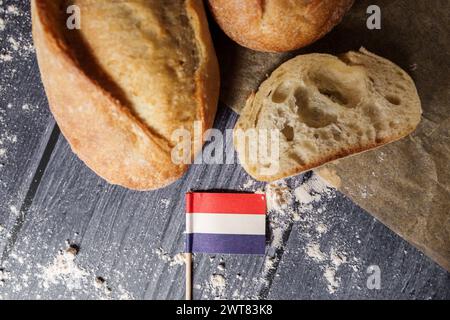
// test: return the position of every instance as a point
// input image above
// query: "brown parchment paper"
(406, 185)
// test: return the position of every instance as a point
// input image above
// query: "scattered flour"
(336, 259)
(6, 142)
(287, 205)
(64, 270)
(305, 203)
(249, 184)
(14, 210)
(304, 197)
(311, 192)
(12, 10)
(321, 228)
(277, 237)
(281, 215)
(165, 202)
(176, 260)
(217, 285)
(269, 264)
(313, 251)
(14, 44)
(279, 197)
(124, 294)
(333, 281)
(329, 262)
(4, 276)
(20, 47)
(5, 57)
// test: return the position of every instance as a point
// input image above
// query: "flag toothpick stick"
(188, 258)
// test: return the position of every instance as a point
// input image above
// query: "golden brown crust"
(339, 155)
(278, 25)
(103, 132)
(208, 75)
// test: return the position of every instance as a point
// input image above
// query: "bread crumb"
(221, 266)
(100, 284)
(218, 284)
(330, 176)
(73, 250)
(2, 24)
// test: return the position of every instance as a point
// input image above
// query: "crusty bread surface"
(121, 85)
(278, 25)
(325, 108)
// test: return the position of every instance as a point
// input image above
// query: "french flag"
(225, 223)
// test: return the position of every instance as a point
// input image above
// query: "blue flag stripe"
(225, 243)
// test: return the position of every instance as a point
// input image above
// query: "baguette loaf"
(136, 71)
(326, 108)
(278, 25)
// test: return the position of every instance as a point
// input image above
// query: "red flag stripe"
(229, 203)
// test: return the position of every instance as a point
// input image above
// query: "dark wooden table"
(131, 239)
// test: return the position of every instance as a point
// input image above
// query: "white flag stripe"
(223, 223)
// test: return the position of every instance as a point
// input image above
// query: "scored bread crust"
(109, 137)
(278, 25)
(379, 105)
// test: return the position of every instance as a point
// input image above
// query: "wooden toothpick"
(188, 276)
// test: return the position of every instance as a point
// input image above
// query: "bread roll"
(325, 108)
(134, 72)
(278, 25)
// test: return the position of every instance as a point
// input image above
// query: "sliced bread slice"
(324, 108)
